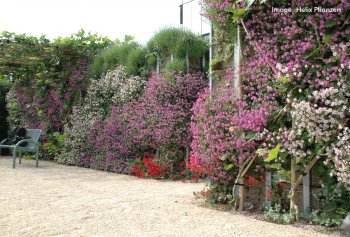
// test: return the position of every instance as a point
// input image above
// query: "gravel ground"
(57, 200)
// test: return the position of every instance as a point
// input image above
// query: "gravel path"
(57, 200)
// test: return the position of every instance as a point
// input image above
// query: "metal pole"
(306, 192)
(187, 59)
(210, 57)
(238, 63)
(158, 65)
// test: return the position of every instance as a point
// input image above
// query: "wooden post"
(187, 156)
(268, 186)
(241, 194)
(242, 171)
(306, 192)
(157, 153)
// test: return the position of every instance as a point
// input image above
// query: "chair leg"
(14, 158)
(37, 158)
(20, 157)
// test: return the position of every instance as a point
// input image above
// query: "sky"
(112, 18)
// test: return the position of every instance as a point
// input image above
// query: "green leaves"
(327, 39)
(273, 154)
(228, 167)
(314, 54)
(284, 80)
(250, 136)
(239, 134)
(261, 152)
(282, 175)
(237, 13)
(276, 166)
(331, 24)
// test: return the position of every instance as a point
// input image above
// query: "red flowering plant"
(252, 181)
(149, 166)
(153, 169)
(137, 171)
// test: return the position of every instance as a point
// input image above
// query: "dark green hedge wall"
(3, 112)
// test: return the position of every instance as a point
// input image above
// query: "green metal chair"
(31, 146)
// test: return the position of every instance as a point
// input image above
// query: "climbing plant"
(297, 67)
(47, 78)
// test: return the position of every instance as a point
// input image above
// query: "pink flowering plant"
(159, 119)
(48, 78)
(225, 134)
(88, 130)
(122, 117)
(296, 67)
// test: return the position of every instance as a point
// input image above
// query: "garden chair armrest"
(26, 140)
(3, 141)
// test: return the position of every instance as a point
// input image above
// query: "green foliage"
(273, 153)
(223, 42)
(237, 14)
(175, 41)
(47, 77)
(329, 219)
(276, 214)
(14, 117)
(176, 65)
(128, 53)
(25, 56)
(331, 198)
(228, 166)
(29, 156)
(53, 148)
(86, 44)
(4, 87)
(220, 194)
(217, 62)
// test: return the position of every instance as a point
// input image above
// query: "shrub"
(82, 134)
(128, 53)
(47, 78)
(225, 133)
(174, 42)
(4, 87)
(176, 65)
(127, 128)
(277, 214)
(302, 86)
(161, 116)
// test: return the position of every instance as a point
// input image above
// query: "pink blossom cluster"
(295, 67)
(224, 132)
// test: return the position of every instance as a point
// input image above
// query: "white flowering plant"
(114, 88)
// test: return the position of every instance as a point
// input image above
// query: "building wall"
(192, 18)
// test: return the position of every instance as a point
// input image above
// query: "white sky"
(112, 18)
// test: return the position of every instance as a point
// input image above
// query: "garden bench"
(31, 146)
